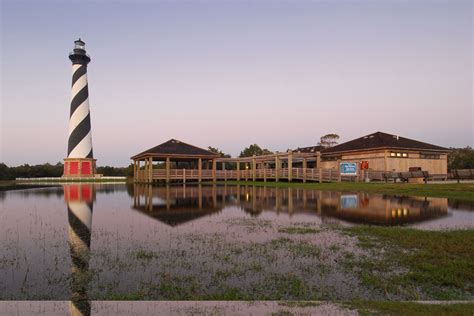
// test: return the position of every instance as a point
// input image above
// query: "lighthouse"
(80, 160)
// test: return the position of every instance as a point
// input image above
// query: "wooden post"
(214, 169)
(150, 171)
(339, 170)
(385, 161)
(138, 171)
(318, 160)
(168, 162)
(199, 170)
(225, 173)
(320, 175)
(238, 170)
(254, 168)
(277, 168)
(145, 169)
(304, 169)
(134, 171)
(264, 171)
(290, 166)
(184, 177)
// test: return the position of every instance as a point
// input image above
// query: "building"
(174, 160)
(385, 152)
(80, 160)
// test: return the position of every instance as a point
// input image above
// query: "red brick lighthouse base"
(79, 167)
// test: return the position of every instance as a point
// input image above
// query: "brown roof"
(173, 148)
(382, 140)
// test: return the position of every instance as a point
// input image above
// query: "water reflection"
(79, 199)
(175, 205)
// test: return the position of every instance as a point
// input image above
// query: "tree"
(218, 151)
(461, 158)
(5, 173)
(254, 150)
(328, 140)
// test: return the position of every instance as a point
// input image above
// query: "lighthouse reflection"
(79, 199)
(176, 205)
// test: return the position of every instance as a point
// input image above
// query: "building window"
(397, 154)
(429, 156)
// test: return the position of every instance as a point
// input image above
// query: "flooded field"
(84, 242)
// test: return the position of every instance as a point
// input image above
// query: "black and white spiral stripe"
(80, 222)
(80, 137)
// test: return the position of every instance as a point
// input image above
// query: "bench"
(405, 176)
(462, 174)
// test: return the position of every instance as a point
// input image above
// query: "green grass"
(411, 308)
(416, 264)
(464, 191)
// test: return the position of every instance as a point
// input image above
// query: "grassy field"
(462, 191)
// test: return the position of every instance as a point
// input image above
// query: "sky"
(229, 74)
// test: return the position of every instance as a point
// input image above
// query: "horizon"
(232, 74)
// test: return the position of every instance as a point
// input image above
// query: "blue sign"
(348, 168)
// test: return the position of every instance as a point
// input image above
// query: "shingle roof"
(382, 140)
(174, 147)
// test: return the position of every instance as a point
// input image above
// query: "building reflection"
(79, 199)
(175, 205)
(179, 204)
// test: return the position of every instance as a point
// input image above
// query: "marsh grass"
(416, 264)
(411, 308)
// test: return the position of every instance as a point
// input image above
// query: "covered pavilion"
(181, 161)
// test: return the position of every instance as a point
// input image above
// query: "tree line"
(49, 170)
(458, 158)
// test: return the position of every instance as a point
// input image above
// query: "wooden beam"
(150, 171)
(168, 167)
(214, 170)
(277, 168)
(254, 168)
(304, 169)
(134, 171)
(199, 170)
(223, 169)
(290, 166)
(339, 170)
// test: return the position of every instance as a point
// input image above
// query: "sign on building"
(348, 168)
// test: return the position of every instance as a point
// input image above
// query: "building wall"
(378, 161)
(433, 166)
